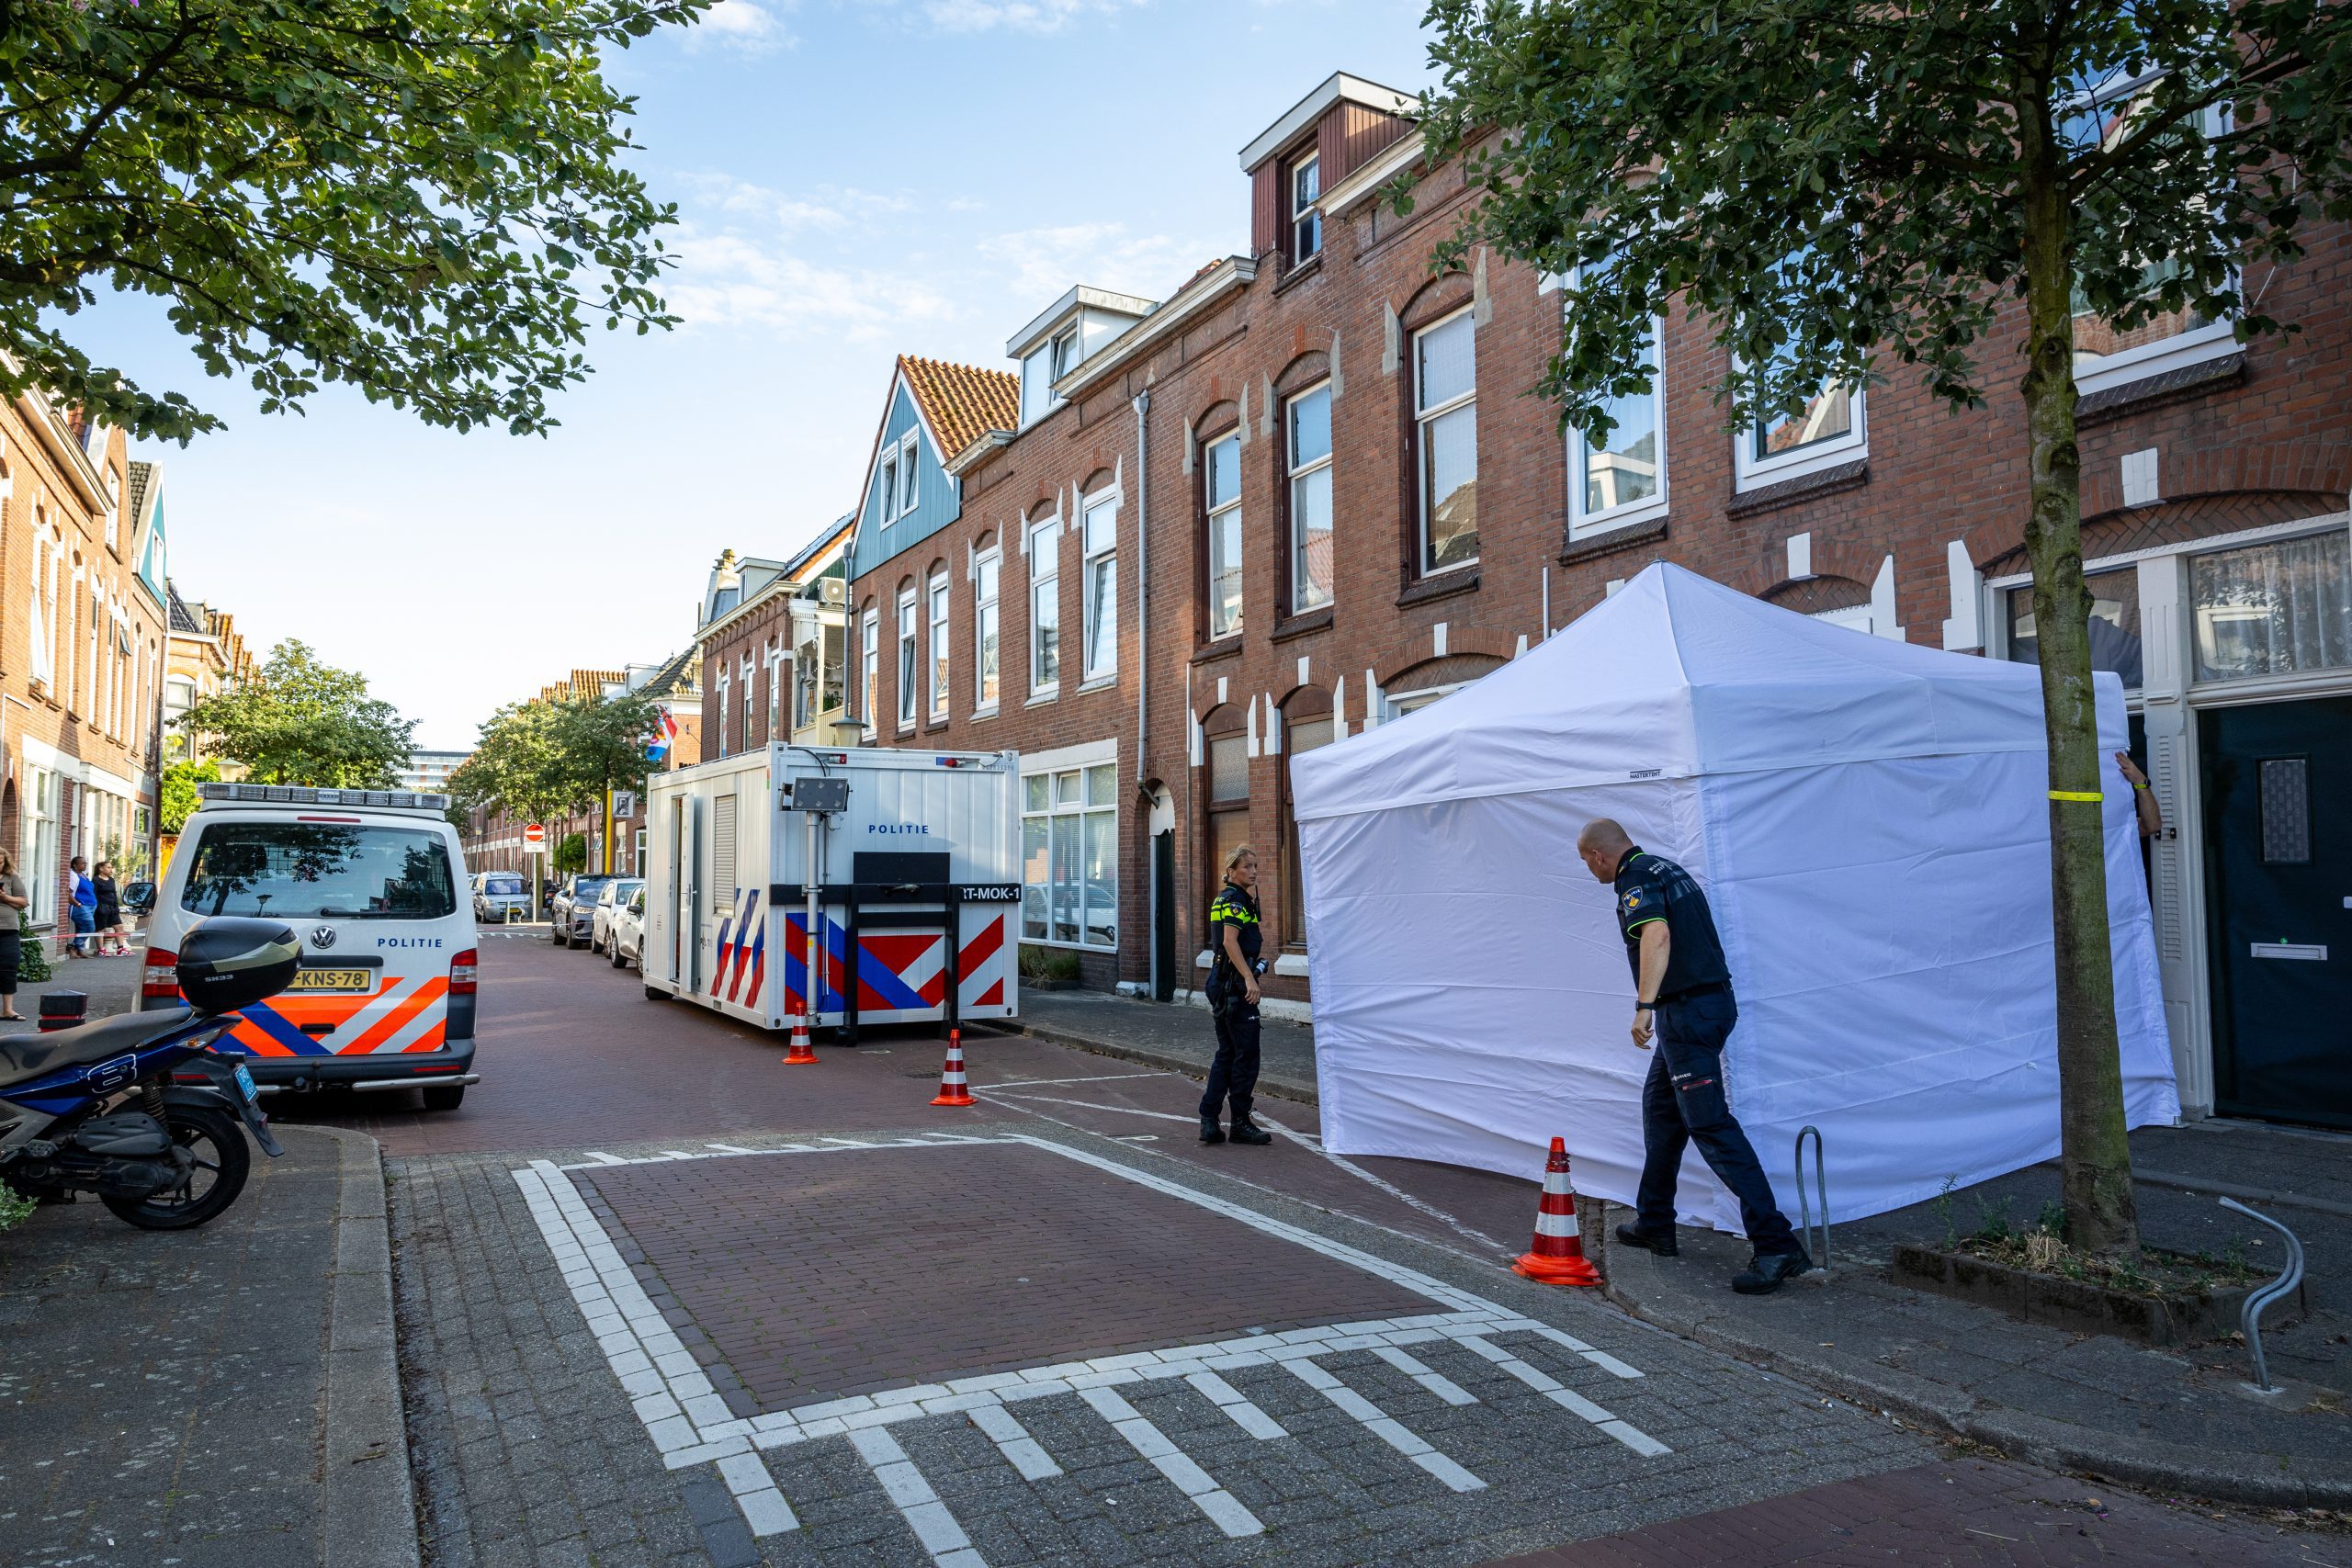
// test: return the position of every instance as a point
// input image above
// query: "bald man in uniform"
(1682, 994)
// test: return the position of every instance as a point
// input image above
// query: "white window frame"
(724, 687)
(1045, 589)
(1215, 519)
(988, 641)
(869, 666)
(1051, 766)
(909, 659)
(910, 478)
(777, 728)
(1305, 219)
(1091, 556)
(1422, 419)
(1294, 472)
(890, 482)
(1583, 522)
(1751, 472)
(937, 645)
(1061, 355)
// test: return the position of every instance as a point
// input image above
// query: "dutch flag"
(664, 735)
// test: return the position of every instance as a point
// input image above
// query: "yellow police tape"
(2075, 794)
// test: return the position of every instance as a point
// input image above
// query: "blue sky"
(855, 178)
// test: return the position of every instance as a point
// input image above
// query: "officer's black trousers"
(1682, 1103)
(1234, 1074)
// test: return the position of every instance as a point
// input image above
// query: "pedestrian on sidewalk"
(15, 906)
(84, 908)
(108, 914)
(1235, 938)
(1683, 996)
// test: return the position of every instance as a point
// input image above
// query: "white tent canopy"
(1870, 822)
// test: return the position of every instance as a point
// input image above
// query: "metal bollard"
(1805, 1209)
(2250, 1314)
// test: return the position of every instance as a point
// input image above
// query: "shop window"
(1069, 857)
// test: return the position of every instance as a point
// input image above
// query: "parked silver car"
(573, 912)
(611, 901)
(500, 896)
(624, 939)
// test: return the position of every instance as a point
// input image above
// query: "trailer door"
(686, 854)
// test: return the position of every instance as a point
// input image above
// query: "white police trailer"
(917, 886)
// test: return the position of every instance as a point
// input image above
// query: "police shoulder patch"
(1631, 899)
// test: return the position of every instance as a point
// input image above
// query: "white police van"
(373, 882)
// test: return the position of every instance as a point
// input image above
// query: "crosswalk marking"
(916, 1502)
(1224, 1510)
(1245, 1414)
(1012, 1440)
(1438, 1383)
(1386, 1428)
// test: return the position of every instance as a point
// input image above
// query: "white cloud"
(828, 208)
(1016, 16)
(747, 26)
(1042, 263)
(729, 279)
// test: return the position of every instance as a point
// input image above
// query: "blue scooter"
(139, 1108)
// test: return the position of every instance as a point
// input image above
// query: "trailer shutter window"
(723, 854)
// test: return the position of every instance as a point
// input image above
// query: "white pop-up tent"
(1870, 822)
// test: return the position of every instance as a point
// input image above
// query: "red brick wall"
(765, 628)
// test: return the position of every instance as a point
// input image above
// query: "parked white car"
(611, 901)
(625, 939)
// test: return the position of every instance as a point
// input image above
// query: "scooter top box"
(913, 858)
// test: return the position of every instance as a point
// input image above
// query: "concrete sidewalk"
(2178, 1418)
(223, 1397)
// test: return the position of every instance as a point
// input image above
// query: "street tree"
(180, 794)
(423, 198)
(1840, 192)
(539, 758)
(301, 721)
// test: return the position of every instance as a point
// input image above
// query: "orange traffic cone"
(799, 1054)
(1556, 1256)
(953, 1090)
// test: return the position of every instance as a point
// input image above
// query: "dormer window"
(1065, 355)
(1305, 221)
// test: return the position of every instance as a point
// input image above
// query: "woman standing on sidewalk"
(14, 903)
(109, 916)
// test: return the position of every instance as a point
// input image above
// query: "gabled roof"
(959, 401)
(683, 668)
(825, 540)
(184, 619)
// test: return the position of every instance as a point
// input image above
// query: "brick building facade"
(1320, 498)
(81, 648)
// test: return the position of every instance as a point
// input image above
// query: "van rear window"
(306, 870)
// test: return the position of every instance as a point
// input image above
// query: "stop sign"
(535, 836)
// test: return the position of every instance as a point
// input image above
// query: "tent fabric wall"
(1869, 821)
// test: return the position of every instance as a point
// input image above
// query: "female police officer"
(1234, 938)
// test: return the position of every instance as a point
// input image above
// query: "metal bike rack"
(2250, 1314)
(1821, 1181)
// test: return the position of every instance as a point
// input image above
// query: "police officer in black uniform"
(1682, 992)
(1235, 938)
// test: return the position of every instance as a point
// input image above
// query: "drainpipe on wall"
(1143, 574)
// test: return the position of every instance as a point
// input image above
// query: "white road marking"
(1084, 1105)
(601, 1157)
(1012, 1439)
(916, 1502)
(1416, 1204)
(1103, 1077)
(1227, 1398)
(1223, 1508)
(1386, 1428)
(1438, 1383)
(1568, 1399)
(731, 1149)
(755, 1493)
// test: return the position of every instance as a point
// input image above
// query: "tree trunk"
(2095, 1156)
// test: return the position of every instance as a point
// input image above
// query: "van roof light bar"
(307, 794)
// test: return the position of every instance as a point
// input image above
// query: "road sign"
(535, 836)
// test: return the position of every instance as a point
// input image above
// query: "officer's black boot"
(1210, 1132)
(1660, 1241)
(1767, 1272)
(1247, 1132)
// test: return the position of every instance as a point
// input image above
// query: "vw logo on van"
(322, 936)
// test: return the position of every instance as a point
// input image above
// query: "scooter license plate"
(246, 1084)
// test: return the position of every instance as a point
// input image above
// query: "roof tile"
(962, 401)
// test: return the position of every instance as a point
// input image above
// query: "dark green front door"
(2277, 786)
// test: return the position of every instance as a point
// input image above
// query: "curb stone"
(1168, 1061)
(368, 1516)
(2057, 1445)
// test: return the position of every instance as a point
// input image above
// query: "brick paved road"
(664, 1301)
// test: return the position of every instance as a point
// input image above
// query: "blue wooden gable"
(886, 524)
